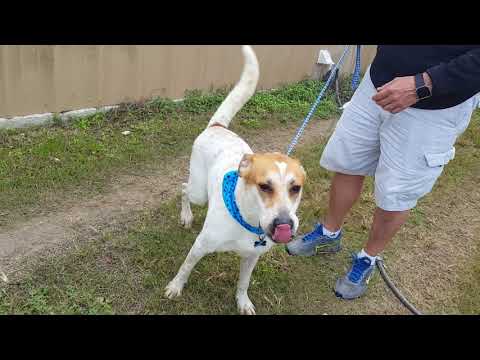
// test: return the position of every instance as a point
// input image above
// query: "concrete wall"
(41, 79)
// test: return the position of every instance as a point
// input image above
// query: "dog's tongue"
(283, 233)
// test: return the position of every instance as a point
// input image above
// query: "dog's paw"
(173, 289)
(245, 306)
(186, 218)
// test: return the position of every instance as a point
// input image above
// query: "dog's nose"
(282, 219)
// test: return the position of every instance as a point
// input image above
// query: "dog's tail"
(242, 91)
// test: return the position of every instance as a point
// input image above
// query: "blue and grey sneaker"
(308, 244)
(354, 284)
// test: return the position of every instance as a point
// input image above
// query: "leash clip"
(261, 241)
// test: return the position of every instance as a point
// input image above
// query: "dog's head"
(276, 182)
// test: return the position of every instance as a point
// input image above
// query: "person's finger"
(385, 101)
(384, 86)
(381, 95)
(390, 107)
(397, 110)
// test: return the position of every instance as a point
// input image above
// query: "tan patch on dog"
(257, 170)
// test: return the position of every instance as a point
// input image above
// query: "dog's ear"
(245, 164)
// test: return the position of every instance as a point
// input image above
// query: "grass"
(470, 288)
(38, 166)
(125, 271)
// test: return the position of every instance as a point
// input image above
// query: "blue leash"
(356, 72)
(355, 82)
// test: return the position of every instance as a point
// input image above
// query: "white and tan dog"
(267, 192)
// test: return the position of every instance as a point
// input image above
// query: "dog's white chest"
(246, 246)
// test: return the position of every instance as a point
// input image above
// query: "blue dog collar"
(228, 189)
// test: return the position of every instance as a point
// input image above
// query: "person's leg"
(384, 227)
(344, 192)
(415, 146)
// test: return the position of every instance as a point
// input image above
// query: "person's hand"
(399, 94)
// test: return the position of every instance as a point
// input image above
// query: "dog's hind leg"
(245, 306)
(195, 191)
(196, 253)
(186, 215)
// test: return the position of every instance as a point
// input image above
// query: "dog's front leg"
(196, 253)
(245, 306)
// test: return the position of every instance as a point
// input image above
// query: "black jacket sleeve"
(460, 75)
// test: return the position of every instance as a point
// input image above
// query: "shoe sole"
(327, 250)
(340, 296)
(305, 255)
(320, 249)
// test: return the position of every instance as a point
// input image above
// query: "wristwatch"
(421, 89)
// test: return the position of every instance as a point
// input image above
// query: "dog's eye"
(265, 188)
(295, 189)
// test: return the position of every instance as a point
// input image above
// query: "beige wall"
(39, 79)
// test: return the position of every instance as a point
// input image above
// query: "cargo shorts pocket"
(435, 160)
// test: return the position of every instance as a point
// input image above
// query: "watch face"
(423, 92)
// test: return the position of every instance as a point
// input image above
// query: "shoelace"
(360, 265)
